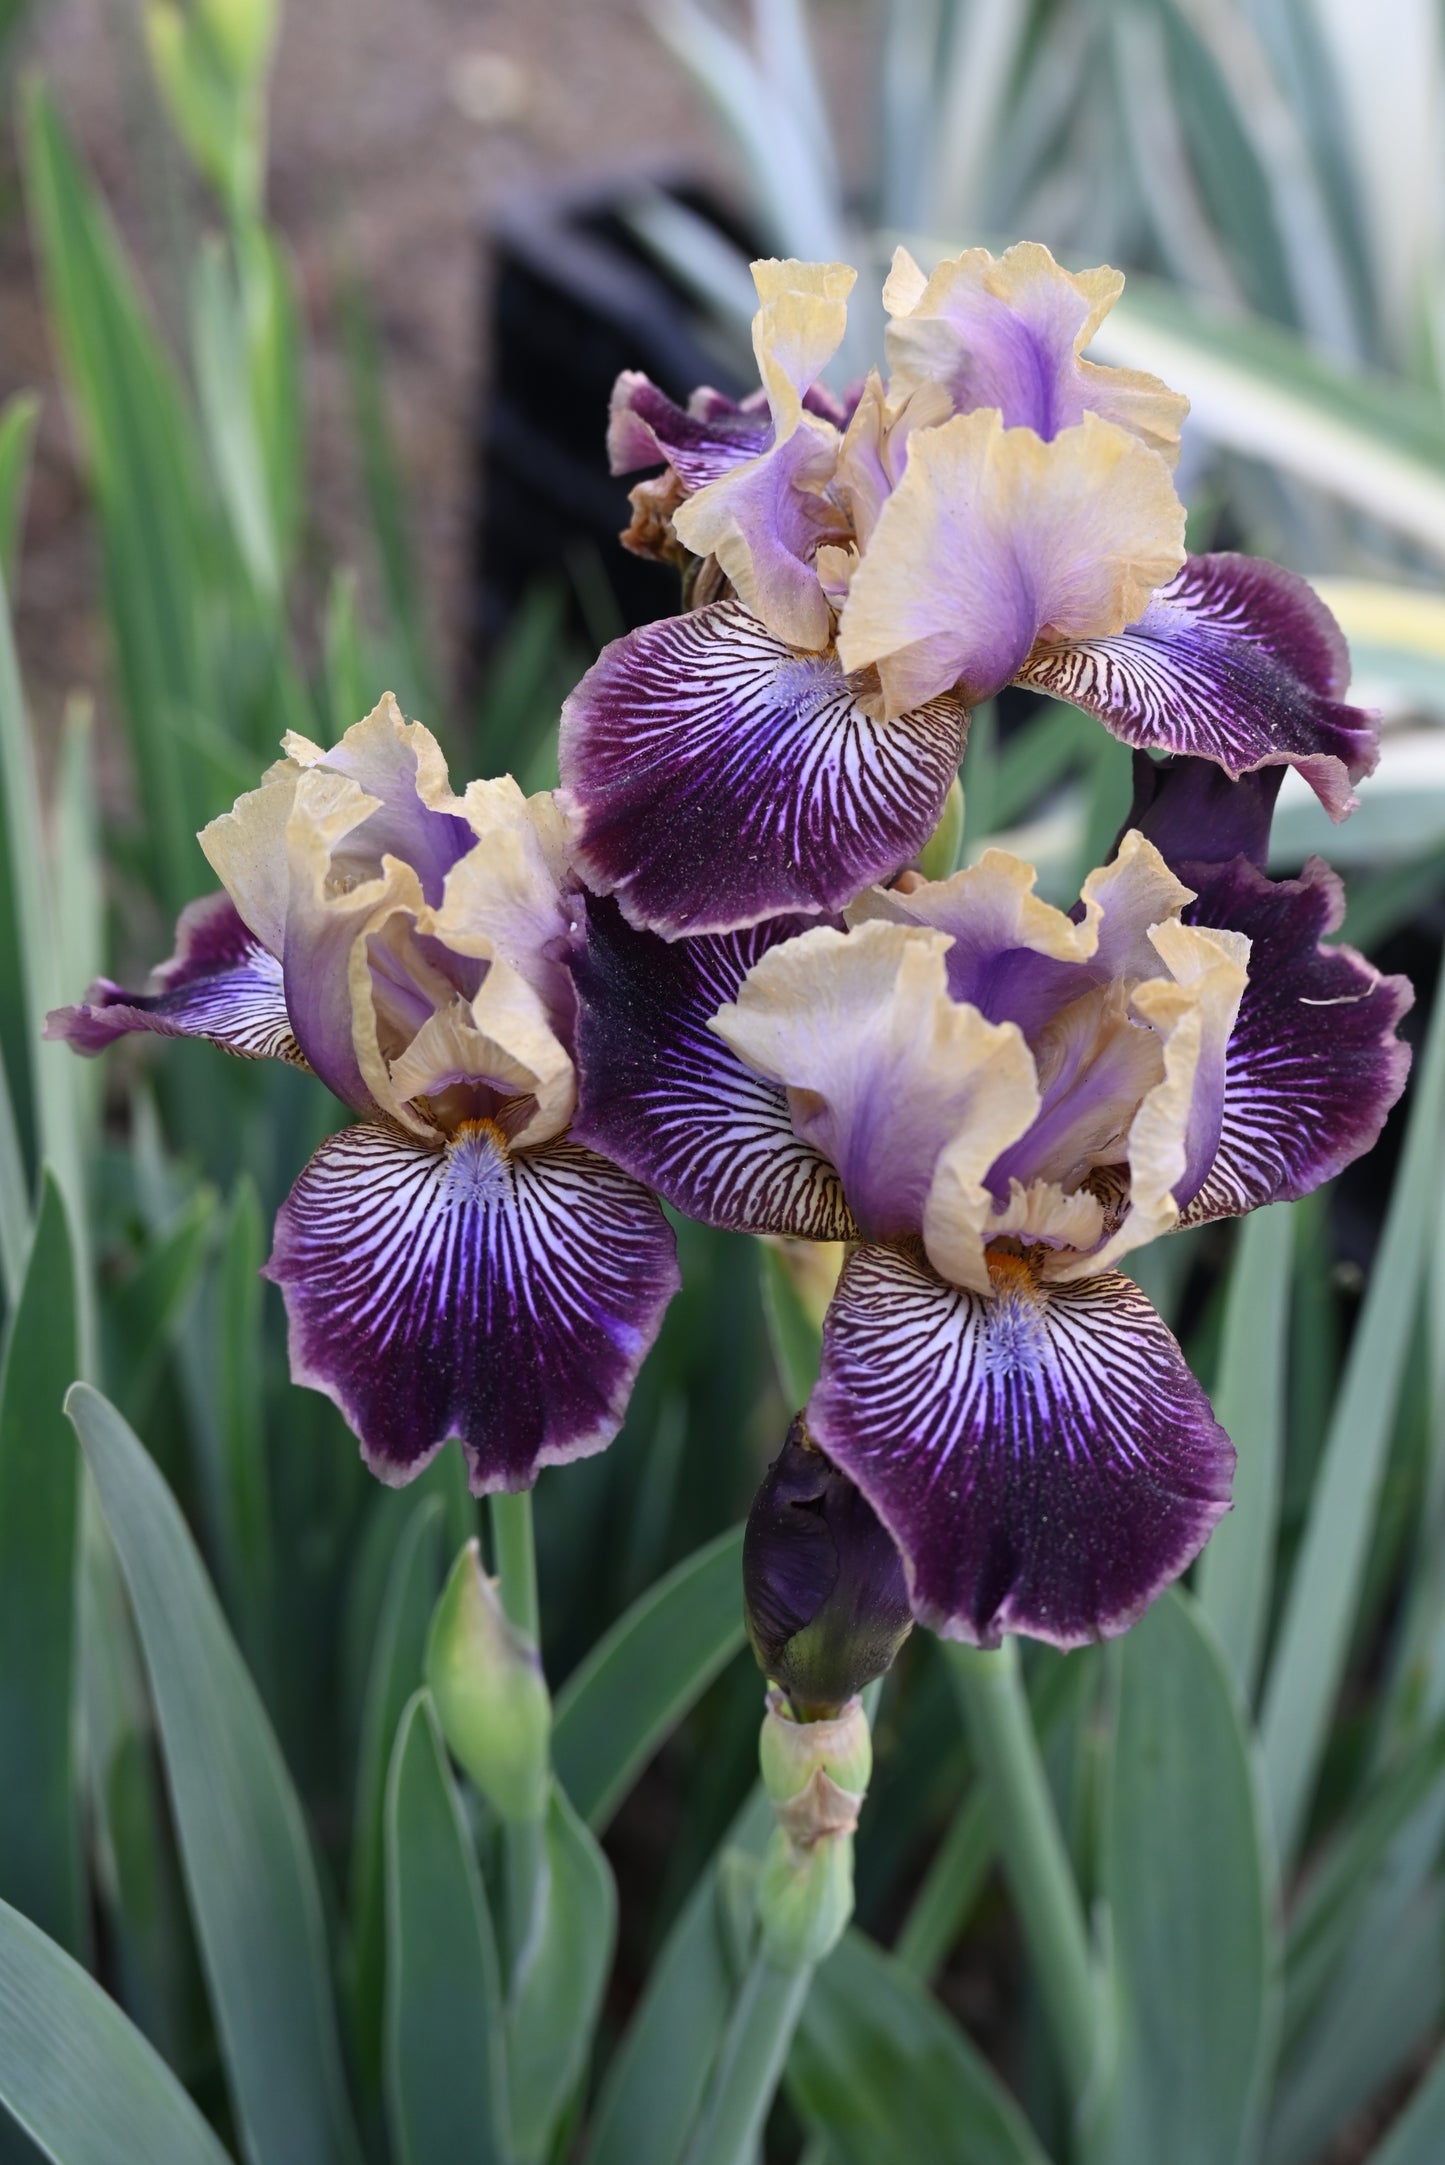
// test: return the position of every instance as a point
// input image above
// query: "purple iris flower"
(1000, 511)
(996, 1102)
(454, 1264)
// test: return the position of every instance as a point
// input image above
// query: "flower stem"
(516, 1559)
(1035, 1861)
(764, 2018)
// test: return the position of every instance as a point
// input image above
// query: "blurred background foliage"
(227, 1806)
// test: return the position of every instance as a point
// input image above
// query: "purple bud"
(826, 1602)
(1194, 814)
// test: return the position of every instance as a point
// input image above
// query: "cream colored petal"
(990, 907)
(875, 448)
(503, 897)
(1123, 902)
(994, 538)
(1007, 331)
(1192, 1011)
(797, 330)
(502, 1038)
(882, 1069)
(246, 849)
(764, 521)
(905, 285)
(1041, 1211)
(386, 754)
(1095, 1067)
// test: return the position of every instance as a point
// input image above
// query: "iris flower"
(453, 1264)
(995, 1102)
(1000, 511)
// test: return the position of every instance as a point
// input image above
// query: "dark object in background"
(575, 298)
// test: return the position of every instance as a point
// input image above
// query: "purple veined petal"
(508, 1299)
(1313, 1065)
(221, 984)
(716, 777)
(1236, 660)
(662, 1096)
(1043, 1457)
(645, 428)
(1194, 813)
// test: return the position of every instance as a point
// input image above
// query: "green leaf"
(1390, 1996)
(796, 1338)
(40, 1864)
(556, 1994)
(1315, 1631)
(142, 463)
(17, 439)
(79, 2078)
(1237, 1570)
(240, 1408)
(386, 501)
(881, 2071)
(244, 1847)
(445, 2066)
(1333, 1900)
(645, 1674)
(1418, 2136)
(142, 1315)
(222, 382)
(1185, 1874)
(397, 1665)
(658, 2077)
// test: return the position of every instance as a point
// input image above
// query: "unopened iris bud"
(491, 1697)
(939, 854)
(816, 1774)
(823, 1587)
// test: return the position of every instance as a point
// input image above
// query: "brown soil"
(398, 126)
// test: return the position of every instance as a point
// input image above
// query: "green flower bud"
(939, 855)
(805, 1898)
(816, 1774)
(491, 1698)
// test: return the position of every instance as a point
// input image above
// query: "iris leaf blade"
(445, 2069)
(1237, 1568)
(1189, 1884)
(76, 2074)
(879, 2070)
(1314, 1636)
(40, 1852)
(244, 1847)
(645, 1674)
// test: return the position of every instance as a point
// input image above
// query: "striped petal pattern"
(716, 776)
(1313, 1065)
(505, 1298)
(1042, 1455)
(661, 1094)
(1235, 660)
(221, 984)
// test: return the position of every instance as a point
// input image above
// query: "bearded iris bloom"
(1000, 511)
(996, 1102)
(453, 1264)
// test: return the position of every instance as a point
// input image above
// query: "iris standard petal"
(1041, 1455)
(1007, 331)
(715, 777)
(505, 1298)
(1236, 660)
(994, 538)
(662, 1096)
(765, 522)
(882, 1069)
(221, 984)
(1313, 1065)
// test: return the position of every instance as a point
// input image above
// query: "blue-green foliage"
(250, 1908)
